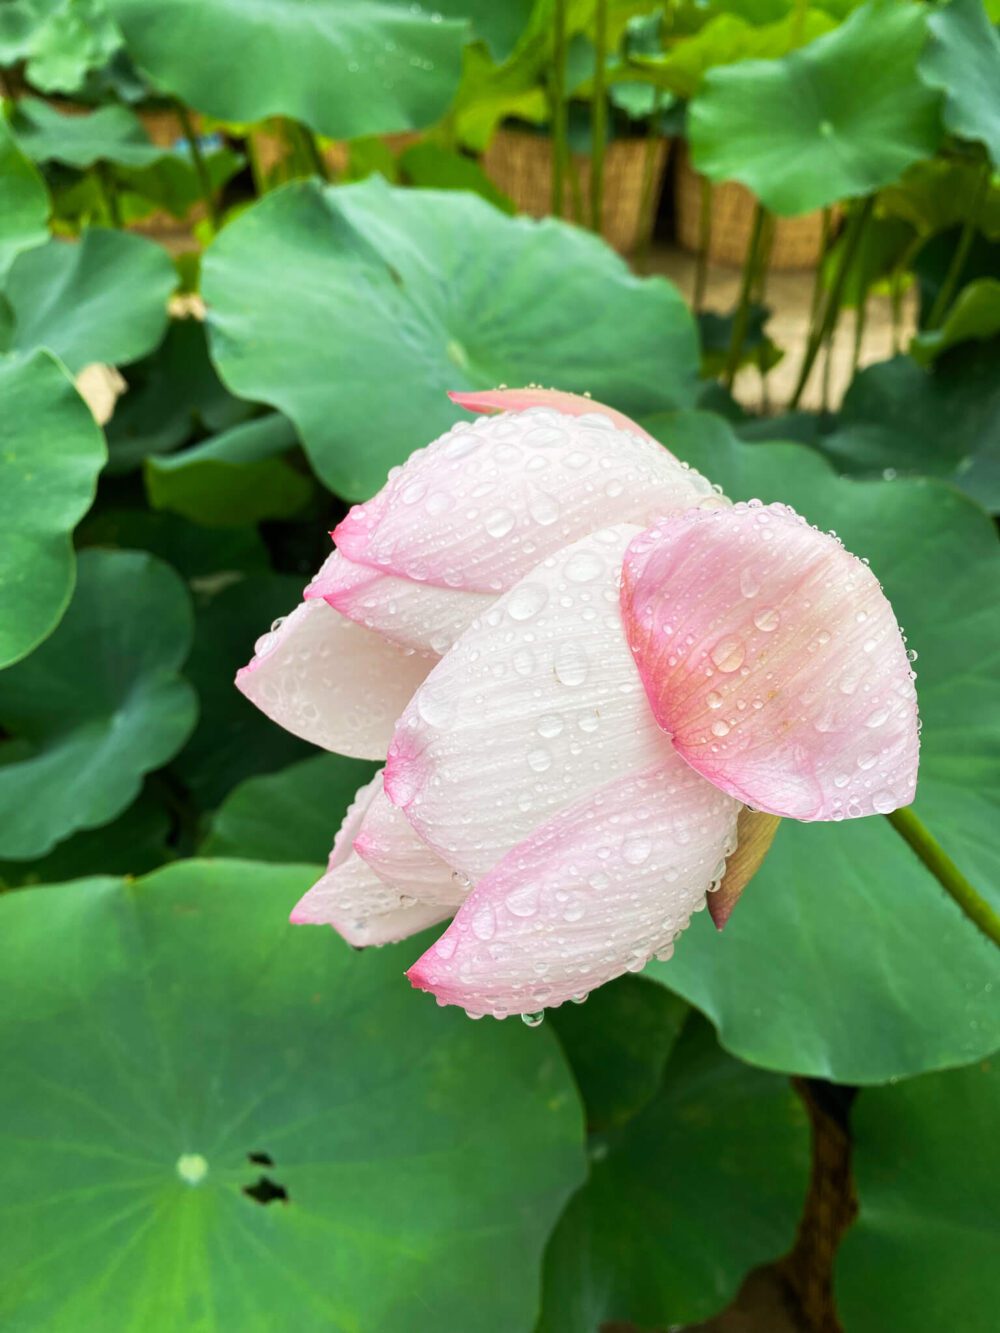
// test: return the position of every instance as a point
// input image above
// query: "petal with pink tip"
(487, 501)
(332, 682)
(536, 705)
(387, 842)
(518, 400)
(420, 616)
(591, 894)
(354, 901)
(773, 658)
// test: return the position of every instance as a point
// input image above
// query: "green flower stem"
(313, 152)
(704, 244)
(944, 296)
(946, 872)
(108, 192)
(598, 117)
(201, 170)
(742, 318)
(852, 239)
(557, 94)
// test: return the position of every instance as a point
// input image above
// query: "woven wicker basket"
(521, 165)
(797, 241)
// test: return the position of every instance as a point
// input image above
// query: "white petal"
(538, 704)
(332, 682)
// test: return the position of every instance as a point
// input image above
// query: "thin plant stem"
(897, 291)
(200, 169)
(860, 318)
(109, 193)
(575, 189)
(704, 244)
(256, 170)
(557, 95)
(816, 301)
(852, 239)
(598, 117)
(313, 152)
(944, 296)
(760, 297)
(647, 202)
(742, 317)
(913, 831)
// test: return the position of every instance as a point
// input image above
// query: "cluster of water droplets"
(603, 888)
(766, 647)
(539, 703)
(484, 503)
(330, 681)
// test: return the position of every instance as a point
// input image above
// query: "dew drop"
(728, 654)
(767, 619)
(526, 600)
(533, 1020)
(499, 522)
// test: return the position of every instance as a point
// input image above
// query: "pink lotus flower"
(584, 669)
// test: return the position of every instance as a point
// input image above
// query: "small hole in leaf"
(260, 1158)
(266, 1191)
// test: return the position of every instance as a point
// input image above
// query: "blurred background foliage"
(244, 251)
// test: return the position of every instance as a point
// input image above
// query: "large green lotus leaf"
(288, 816)
(135, 843)
(922, 1254)
(838, 119)
(103, 298)
(109, 134)
(61, 40)
(234, 740)
(973, 317)
(727, 39)
(342, 67)
(172, 1044)
(50, 454)
(704, 1184)
(239, 477)
(172, 395)
(618, 1044)
(24, 216)
(843, 921)
(97, 706)
(963, 60)
(942, 422)
(388, 298)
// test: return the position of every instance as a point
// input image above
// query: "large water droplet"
(571, 663)
(767, 619)
(526, 600)
(728, 654)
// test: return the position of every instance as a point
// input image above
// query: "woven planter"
(798, 242)
(521, 165)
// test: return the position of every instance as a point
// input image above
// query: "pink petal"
(354, 901)
(389, 845)
(484, 503)
(517, 400)
(415, 615)
(332, 682)
(537, 704)
(773, 658)
(591, 894)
